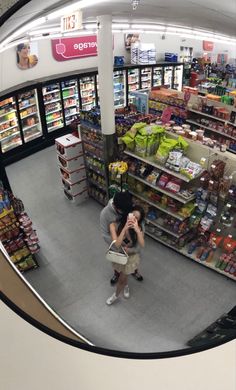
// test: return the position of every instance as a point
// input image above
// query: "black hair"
(132, 233)
(19, 48)
(123, 202)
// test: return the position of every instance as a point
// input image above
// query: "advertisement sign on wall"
(64, 49)
(26, 55)
(208, 46)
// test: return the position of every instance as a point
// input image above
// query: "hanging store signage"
(64, 49)
(71, 22)
(208, 46)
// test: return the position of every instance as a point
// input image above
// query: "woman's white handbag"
(116, 257)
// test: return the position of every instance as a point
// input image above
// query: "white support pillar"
(105, 73)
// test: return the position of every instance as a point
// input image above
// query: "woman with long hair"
(129, 234)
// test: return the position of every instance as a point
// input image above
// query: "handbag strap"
(113, 242)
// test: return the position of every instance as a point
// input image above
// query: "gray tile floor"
(177, 299)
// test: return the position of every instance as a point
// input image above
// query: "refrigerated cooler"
(10, 135)
(157, 78)
(146, 78)
(29, 115)
(168, 76)
(119, 83)
(87, 92)
(133, 82)
(70, 97)
(53, 107)
(178, 77)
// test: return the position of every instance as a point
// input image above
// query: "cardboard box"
(69, 146)
(75, 188)
(72, 164)
(73, 177)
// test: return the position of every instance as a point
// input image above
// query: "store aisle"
(177, 299)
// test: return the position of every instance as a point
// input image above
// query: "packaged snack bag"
(182, 144)
(166, 145)
(229, 244)
(141, 145)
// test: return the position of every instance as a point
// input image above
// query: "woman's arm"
(119, 239)
(140, 234)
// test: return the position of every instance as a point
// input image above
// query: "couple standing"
(128, 232)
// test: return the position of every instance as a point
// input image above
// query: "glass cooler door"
(70, 98)
(157, 76)
(168, 76)
(29, 115)
(178, 77)
(119, 88)
(53, 107)
(133, 82)
(10, 136)
(146, 78)
(87, 92)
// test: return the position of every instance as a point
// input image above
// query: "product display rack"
(10, 135)
(119, 83)
(29, 114)
(70, 96)
(87, 92)
(94, 161)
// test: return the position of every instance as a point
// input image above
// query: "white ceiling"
(213, 15)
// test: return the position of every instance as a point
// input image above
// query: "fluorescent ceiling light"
(48, 30)
(120, 25)
(73, 7)
(147, 26)
(154, 32)
(13, 44)
(90, 26)
(78, 33)
(23, 29)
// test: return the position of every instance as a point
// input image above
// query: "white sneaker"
(126, 292)
(112, 299)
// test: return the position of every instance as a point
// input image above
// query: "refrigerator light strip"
(54, 91)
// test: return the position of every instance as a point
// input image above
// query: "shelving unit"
(94, 161)
(8, 124)
(119, 84)
(70, 96)
(199, 125)
(151, 161)
(146, 78)
(87, 84)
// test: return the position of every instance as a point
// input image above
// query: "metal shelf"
(9, 136)
(160, 189)
(50, 92)
(52, 112)
(29, 105)
(52, 101)
(159, 207)
(54, 120)
(9, 128)
(9, 112)
(67, 97)
(31, 114)
(149, 221)
(210, 116)
(150, 161)
(209, 128)
(30, 127)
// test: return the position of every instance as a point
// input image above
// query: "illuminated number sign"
(71, 22)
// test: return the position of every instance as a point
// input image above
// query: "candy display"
(16, 232)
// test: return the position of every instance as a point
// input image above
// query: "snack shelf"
(55, 127)
(9, 136)
(184, 252)
(6, 113)
(29, 105)
(95, 169)
(87, 152)
(93, 144)
(154, 223)
(209, 128)
(211, 116)
(52, 112)
(157, 206)
(9, 128)
(54, 120)
(52, 101)
(160, 189)
(97, 184)
(150, 161)
(49, 92)
(71, 86)
(9, 120)
(167, 104)
(67, 97)
(31, 114)
(30, 127)
(32, 136)
(11, 146)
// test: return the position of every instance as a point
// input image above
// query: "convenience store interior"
(178, 298)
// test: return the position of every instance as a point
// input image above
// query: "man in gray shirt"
(118, 206)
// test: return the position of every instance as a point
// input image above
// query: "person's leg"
(122, 281)
(137, 275)
(115, 278)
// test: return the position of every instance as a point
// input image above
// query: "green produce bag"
(182, 144)
(129, 140)
(141, 145)
(166, 145)
(153, 137)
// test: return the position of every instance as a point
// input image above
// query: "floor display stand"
(16, 232)
(70, 158)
